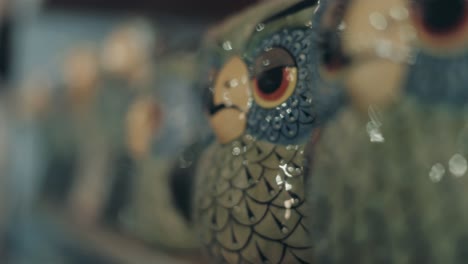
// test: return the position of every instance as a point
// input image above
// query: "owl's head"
(264, 83)
(382, 50)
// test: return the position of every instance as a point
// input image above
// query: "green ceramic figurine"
(264, 104)
(388, 173)
(153, 212)
(61, 126)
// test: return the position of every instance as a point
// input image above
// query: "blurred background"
(100, 125)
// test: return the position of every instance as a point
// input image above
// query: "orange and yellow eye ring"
(281, 94)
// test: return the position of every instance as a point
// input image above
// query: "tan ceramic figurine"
(110, 82)
(151, 213)
(65, 125)
(158, 123)
(5, 205)
(4, 135)
(89, 186)
(264, 105)
(28, 105)
(388, 175)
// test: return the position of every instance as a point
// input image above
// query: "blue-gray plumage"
(293, 120)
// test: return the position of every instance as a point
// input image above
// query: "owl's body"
(388, 185)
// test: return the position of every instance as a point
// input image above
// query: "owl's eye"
(275, 77)
(272, 84)
(441, 23)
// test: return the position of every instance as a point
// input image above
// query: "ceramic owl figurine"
(388, 182)
(121, 72)
(158, 209)
(27, 106)
(87, 141)
(4, 170)
(62, 126)
(265, 104)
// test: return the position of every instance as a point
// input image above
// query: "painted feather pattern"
(253, 206)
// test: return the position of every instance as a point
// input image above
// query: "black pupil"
(440, 16)
(269, 81)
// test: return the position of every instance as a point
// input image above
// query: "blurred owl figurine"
(78, 135)
(120, 72)
(26, 107)
(388, 179)
(153, 212)
(4, 168)
(5, 202)
(61, 126)
(265, 103)
(126, 73)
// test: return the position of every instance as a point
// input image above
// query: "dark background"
(192, 8)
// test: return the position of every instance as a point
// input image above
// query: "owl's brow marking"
(291, 10)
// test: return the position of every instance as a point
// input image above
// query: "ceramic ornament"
(161, 127)
(152, 213)
(388, 175)
(265, 103)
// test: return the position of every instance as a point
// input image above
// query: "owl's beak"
(230, 101)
